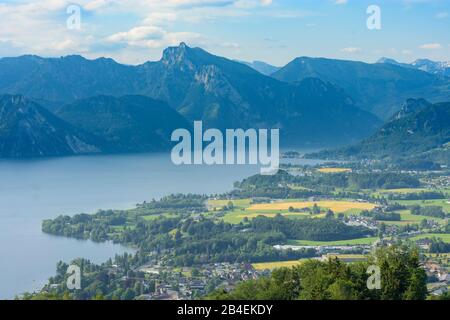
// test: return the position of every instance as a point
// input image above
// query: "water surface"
(33, 190)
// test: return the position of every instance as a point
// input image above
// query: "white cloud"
(431, 46)
(39, 27)
(340, 2)
(151, 37)
(351, 50)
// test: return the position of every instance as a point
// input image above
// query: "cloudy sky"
(275, 31)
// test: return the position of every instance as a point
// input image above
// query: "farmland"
(349, 258)
(335, 206)
(443, 237)
(243, 208)
(444, 203)
(277, 264)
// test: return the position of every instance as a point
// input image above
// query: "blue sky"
(275, 31)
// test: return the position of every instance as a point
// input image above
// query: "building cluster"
(190, 283)
(438, 275)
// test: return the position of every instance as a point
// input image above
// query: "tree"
(329, 214)
(316, 209)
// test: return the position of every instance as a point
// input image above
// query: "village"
(191, 283)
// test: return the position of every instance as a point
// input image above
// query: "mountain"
(434, 67)
(127, 124)
(420, 130)
(227, 94)
(394, 62)
(200, 86)
(29, 130)
(65, 79)
(262, 67)
(378, 88)
(440, 68)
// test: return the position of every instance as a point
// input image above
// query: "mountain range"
(194, 83)
(435, 67)
(111, 107)
(100, 124)
(379, 88)
(262, 67)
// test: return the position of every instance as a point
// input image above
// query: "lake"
(33, 190)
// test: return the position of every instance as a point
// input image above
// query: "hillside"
(262, 67)
(28, 130)
(127, 124)
(421, 130)
(378, 88)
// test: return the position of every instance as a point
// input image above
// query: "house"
(439, 291)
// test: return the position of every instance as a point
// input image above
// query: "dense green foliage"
(126, 124)
(429, 211)
(327, 182)
(420, 133)
(382, 216)
(29, 130)
(309, 229)
(439, 246)
(98, 282)
(402, 278)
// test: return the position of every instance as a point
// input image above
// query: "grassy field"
(348, 258)
(334, 170)
(402, 191)
(335, 206)
(219, 204)
(443, 237)
(361, 241)
(236, 216)
(408, 218)
(444, 203)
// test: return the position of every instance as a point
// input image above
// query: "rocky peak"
(412, 106)
(174, 56)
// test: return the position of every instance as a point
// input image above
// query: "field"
(334, 170)
(360, 241)
(408, 218)
(277, 264)
(219, 204)
(348, 258)
(335, 206)
(243, 208)
(443, 237)
(444, 203)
